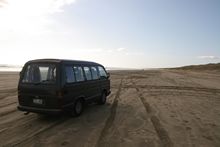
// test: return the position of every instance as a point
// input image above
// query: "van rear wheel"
(77, 108)
(102, 99)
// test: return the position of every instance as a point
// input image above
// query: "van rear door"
(38, 85)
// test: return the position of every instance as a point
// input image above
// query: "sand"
(152, 108)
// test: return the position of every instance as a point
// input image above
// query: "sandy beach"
(152, 108)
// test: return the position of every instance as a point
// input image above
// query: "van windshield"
(40, 73)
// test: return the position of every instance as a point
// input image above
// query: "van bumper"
(39, 110)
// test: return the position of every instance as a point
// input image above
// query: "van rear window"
(40, 73)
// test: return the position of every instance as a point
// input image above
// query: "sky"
(115, 33)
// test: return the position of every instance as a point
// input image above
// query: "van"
(53, 86)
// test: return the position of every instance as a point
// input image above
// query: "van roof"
(63, 61)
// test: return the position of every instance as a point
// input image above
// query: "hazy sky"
(116, 33)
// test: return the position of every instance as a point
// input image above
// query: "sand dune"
(146, 108)
(211, 66)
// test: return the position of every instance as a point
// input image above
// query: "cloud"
(115, 50)
(90, 50)
(134, 54)
(35, 6)
(120, 49)
(109, 51)
(2, 3)
(19, 17)
(208, 57)
(123, 51)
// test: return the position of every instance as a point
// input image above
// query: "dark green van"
(53, 85)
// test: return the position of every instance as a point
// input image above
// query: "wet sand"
(151, 108)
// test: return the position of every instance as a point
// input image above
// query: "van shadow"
(92, 115)
(90, 110)
(77, 130)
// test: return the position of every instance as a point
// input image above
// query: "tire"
(77, 108)
(102, 99)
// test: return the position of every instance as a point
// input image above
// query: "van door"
(89, 83)
(74, 84)
(96, 90)
(104, 81)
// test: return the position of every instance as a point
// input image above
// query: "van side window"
(79, 73)
(70, 77)
(102, 72)
(88, 73)
(94, 73)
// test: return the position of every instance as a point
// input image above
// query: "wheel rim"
(78, 107)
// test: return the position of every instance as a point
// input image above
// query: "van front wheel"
(77, 108)
(102, 99)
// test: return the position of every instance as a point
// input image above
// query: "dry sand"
(146, 108)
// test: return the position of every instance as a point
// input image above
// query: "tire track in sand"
(8, 104)
(7, 112)
(5, 93)
(34, 134)
(197, 89)
(161, 132)
(110, 120)
(8, 90)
